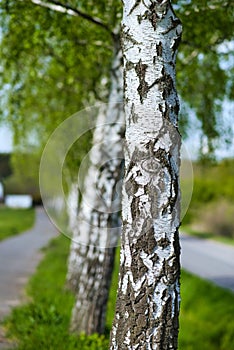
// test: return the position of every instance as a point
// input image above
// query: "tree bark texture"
(98, 226)
(148, 298)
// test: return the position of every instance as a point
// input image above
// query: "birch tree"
(148, 293)
(98, 226)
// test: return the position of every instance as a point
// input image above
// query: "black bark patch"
(176, 44)
(167, 112)
(143, 87)
(176, 108)
(129, 65)
(159, 49)
(131, 186)
(160, 107)
(162, 156)
(163, 242)
(146, 241)
(133, 114)
(139, 19)
(152, 15)
(137, 267)
(135, 211)
(167, 85)
(137, 3)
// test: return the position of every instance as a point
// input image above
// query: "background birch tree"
(98, 226)
(147, 309)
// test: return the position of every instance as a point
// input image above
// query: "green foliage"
(205, 62)
(43, 85)
(25, 177)
(14, 221)
(46, 86)
(206, 320)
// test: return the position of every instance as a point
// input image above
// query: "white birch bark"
(72, 206)
(91, 262)
(148, 294)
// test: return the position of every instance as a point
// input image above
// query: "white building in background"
(23, 201)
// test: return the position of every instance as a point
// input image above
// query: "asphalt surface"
(19, 257)
(208, 259)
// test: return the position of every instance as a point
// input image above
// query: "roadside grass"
(206, 235)
(206, 320)
(14, 221)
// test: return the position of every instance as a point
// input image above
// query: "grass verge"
(206, 235)
(14, 221)
(206, 320)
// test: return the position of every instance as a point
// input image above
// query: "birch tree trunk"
(148, 293)
(98, 227)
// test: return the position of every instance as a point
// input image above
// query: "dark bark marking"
(159, 49)
(174, 24)
(129, 66)
(162, 156)
(167, 112)
(146, 241)
(137, 3)
(163, 242)
(143, 87)
(167, 86)
(160, 107)
(138, 268)
(176, 44)
(135, 210)
(139, 19)
(136, 157)
(134, 115)
(125, 37)
(152, 15)
(176, 108)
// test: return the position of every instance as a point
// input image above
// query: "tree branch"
(65, 8)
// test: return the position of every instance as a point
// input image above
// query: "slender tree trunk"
(148, 294)
(98, 227)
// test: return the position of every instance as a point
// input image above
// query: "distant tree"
(5, 165)
(24, 177)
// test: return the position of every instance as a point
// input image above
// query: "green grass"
(206, 319)
(206, 235)
(14, 221)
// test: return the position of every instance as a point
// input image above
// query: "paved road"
(208, 259)
(19, 257)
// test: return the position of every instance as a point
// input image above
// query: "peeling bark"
(96, 236)
(147, 307)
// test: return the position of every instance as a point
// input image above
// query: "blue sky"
(5, 139)
(192, 144)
